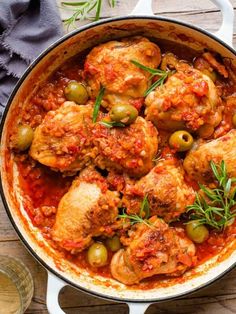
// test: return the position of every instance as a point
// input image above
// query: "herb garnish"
(144, 208)
(218, 208)
(157, 158)
(98, 103)
(111, 124)
(154, 72)
(138, 218)
(83, 9)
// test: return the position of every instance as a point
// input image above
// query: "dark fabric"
(27, 27)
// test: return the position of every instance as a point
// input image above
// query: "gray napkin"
(27, 27)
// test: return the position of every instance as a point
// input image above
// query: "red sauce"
(44, 189)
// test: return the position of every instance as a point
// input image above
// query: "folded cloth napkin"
(27, 27)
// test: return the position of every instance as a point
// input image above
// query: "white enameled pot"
(61, 272)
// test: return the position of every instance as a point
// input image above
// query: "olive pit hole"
(185, 137)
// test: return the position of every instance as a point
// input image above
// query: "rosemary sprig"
(134, 219)
(217, 207)
(111, 124)
(138, 218)
(98, 103)
(82, 10)
(154, 72)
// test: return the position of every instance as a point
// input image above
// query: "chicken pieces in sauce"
(188, 99)
(87, 210)
(130, 149)
(151, 250)
(68, 141)
(62, 141)
(197, 161)
(109, 65)
(120, 162)
(165, 188)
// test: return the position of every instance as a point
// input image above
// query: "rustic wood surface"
(219, 298)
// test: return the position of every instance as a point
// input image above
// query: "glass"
(16, 286)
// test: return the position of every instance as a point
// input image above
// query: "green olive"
(76, 92)
(113, 243)
(125, 113)
(234, 120)
(197, 233)
(24, 137)
(181, 140)
(97, 255)
(206, 130)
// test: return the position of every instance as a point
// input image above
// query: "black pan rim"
(19, 83)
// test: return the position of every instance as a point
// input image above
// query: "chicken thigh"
(197, 162)
(61, 141)
(130, 149)
(188, 99)
(88, 209)
(109, 65)
(166, 191)
(153, 250)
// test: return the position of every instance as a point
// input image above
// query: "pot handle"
(225, 32)
(138, 308)
(54, 287)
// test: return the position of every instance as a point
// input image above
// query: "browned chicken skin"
(62, 141)
(166, 191)
(188, 99)
(88, 209)
(197, 162)
(67, 141)
(152, 250)
(130, 149)
(109, 65)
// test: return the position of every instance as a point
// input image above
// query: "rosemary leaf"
(98, 10)
(73, 4)
(98, 103)
(145, 208)
(159, 82)
(134, 218)
(111, 124)
(150, 70)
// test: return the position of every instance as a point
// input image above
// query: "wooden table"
(219, 298)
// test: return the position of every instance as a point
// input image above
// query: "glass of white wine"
(16, 286)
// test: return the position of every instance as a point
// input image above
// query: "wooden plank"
(159, 7)
(6, 230)
(206, 16)
(182, 6)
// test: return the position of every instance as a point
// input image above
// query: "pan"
(60, 271)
